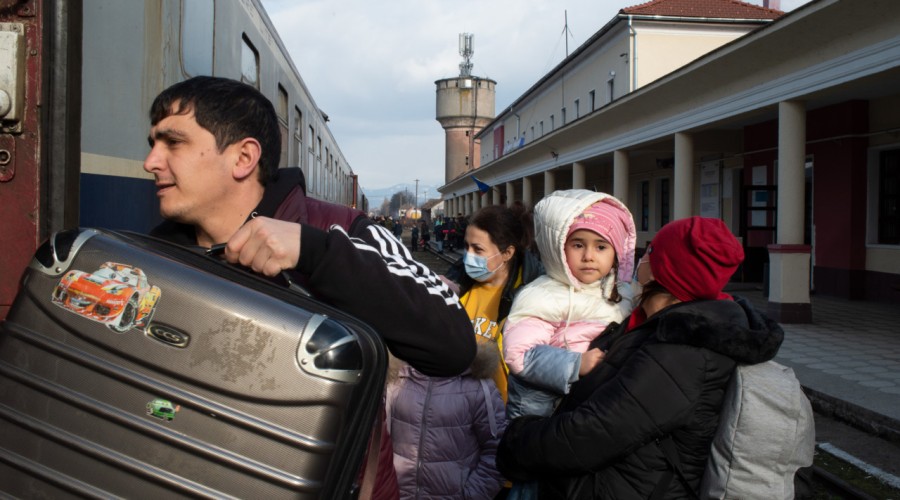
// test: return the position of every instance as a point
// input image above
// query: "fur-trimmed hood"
(731, 328)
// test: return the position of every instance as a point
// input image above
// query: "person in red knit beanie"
(694, 258)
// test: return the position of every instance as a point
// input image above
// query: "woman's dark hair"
(506, 226)
(230, 110)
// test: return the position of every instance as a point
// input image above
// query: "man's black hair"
(230, 110)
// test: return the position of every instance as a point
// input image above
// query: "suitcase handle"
(219, 249)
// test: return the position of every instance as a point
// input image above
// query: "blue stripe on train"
(113, 202)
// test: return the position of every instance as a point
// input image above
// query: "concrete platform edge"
(866, 420)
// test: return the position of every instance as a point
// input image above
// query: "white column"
(620, 175)
(791, 173)
(527, 194)
(495, 195)
(789, 258)
(510, 194)
(549, 182)
(684, 176)
(578, 175)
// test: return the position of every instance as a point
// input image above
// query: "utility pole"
(416, 204)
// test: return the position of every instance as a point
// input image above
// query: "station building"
(784, 125)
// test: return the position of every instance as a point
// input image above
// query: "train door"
(40, 89)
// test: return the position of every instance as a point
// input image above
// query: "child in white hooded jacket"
(586, 240)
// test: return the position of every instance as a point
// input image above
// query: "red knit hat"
(694, 258)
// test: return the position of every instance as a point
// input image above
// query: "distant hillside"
(377, 196)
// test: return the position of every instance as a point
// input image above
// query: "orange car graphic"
(117, 295)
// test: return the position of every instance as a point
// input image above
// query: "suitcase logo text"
(168, 335)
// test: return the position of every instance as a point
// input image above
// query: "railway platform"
(847, 359)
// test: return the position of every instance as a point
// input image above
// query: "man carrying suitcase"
(215, 144)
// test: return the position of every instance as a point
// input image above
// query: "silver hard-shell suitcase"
(130, 367)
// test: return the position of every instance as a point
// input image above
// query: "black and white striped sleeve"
(371, 275)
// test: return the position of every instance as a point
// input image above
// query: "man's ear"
(248, 154)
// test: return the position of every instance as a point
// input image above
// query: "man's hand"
(589, 360)
(268, 246)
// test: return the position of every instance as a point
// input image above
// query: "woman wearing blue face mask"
(497, 262)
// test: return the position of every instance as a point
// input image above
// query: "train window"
(282, 103)
(311, 158)
(328, 174)
(283, 125)
(320, 171)
(249, 62)
(197, 19)
(298, 136)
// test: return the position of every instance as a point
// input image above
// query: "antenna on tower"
(466, 49)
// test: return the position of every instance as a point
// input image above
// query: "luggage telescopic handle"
(219, 249)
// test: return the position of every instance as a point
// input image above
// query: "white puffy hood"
(553, 216)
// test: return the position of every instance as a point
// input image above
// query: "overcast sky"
(371, 66)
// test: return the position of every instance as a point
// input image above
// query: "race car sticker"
(116, 295)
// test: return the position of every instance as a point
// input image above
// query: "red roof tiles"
(716, 9)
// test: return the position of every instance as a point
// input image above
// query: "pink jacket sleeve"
(521, 336)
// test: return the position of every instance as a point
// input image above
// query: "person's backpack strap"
(489, 406)
(667, 445)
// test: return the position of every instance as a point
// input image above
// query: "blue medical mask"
(477, 268)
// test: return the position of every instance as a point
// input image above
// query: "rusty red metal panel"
(20, 166)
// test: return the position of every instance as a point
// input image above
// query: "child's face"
(589, 256)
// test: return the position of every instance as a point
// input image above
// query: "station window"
(552, 123)
(889, 197)
(563, 117)
(197, 19)
(577, 111)
(610, 90)
(249, 62)
(664, 199)
(592, 95)
(645, 206)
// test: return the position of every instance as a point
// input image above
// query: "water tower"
(465, 104)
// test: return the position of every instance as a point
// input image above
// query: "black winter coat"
(666, 377)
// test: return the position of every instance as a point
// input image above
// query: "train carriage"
(133, 50)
